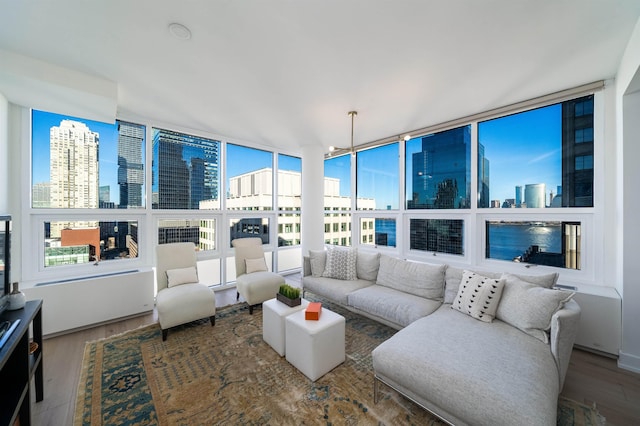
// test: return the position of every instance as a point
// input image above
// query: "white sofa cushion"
(529, 307)
(394, 308)
(180, 276)
(421, 279)
(332, 289)
(341, 263)
(367, 265)
(478, 296)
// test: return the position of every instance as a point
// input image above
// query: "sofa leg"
(250, 309)
(376, 389)
(164, 334)
(237, 296)
(213, 320)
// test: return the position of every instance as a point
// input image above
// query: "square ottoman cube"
(274, 313)
(315, 347)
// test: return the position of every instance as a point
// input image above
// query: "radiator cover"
(79, 303)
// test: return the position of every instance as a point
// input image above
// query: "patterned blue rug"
(227, 374)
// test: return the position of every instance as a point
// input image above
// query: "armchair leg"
(213, 320)
(250, 309)
(237, 296)
(164, 334)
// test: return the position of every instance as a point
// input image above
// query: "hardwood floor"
(591, 378)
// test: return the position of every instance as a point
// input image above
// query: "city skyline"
(532, 138)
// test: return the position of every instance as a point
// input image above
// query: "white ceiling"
(284, 73)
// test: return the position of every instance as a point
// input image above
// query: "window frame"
(147, 217)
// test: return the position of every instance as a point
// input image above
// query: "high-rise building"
(105, 198)
(483, 179)
(441, 171)
(577, 152)
(130, 167)
(535, 195)
(73, 168)
(187, 170)
(41, 195)
(518, 195)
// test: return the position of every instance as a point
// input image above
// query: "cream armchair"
(180, 298)
(254, 282)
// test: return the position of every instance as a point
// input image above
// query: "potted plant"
(289, 295)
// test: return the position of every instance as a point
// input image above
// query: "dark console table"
(18, 365)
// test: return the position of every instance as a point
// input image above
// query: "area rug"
(227, 374)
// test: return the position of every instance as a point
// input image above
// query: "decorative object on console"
(313, 311)
(289, 295)
(17, 299)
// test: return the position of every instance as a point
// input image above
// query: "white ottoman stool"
(273, 315)
(315, 347)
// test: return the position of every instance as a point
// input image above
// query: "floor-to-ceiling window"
(94, 199)
(505, 188)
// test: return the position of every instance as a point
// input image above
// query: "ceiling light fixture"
(179, 31)
(352, 114)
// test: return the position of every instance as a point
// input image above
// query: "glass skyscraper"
(442, 171)
(185, 170)
(130, 166)
(577, 152)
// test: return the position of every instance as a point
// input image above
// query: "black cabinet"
(18, 365)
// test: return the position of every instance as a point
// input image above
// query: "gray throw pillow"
(546, 281)
(317, 260)
(367, 265)
(341, 264)
(530, 307)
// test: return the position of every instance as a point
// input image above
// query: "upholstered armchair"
(254, 282)
(181, 298)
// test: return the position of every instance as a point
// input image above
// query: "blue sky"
(242, 159)
(340, 168)
(108, 148)
(522, 149)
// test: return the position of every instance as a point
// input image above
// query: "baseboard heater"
(80, 303)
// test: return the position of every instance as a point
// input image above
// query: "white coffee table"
(315, 347)
(273, 329)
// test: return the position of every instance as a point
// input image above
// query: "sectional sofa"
(473, 347)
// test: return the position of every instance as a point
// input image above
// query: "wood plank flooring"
(591, 378)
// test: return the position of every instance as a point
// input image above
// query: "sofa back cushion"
(367, 265)
(420, 279)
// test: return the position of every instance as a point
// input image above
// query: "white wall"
(4, 154)
(628, 202)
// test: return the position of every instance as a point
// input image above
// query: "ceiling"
(284, 73)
